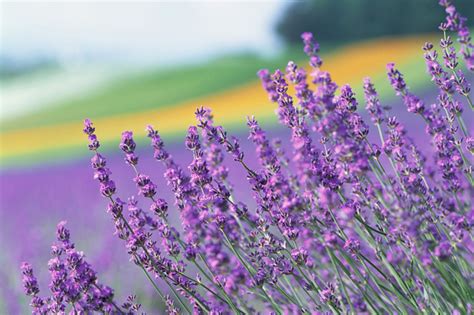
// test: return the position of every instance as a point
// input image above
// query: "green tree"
(340, 20)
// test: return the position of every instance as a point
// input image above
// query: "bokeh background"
(129, 64)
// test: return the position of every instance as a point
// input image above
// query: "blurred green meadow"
(155, 88)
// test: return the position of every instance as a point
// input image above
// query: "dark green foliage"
(338, 20)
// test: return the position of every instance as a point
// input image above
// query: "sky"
(158, 32)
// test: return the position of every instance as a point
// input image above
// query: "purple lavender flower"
(74, 283)
(352, 246)
(372, 102)
(268, 84)
(457, 23)
(443, 250)
(29, 281)
(311, 49)
(396, 78)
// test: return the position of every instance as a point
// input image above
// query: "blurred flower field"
(232, 101)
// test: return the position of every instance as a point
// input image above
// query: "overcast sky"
(158, 32)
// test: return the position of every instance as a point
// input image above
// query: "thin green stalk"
(288, 297)
(275, 306)
(348, 298)
(375, 293)
(392, 271)
(226, 296)
(462, 124)
(293, 290)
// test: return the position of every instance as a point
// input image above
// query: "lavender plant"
(338, 225)
(74, 285)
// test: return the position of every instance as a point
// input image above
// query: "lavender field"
(34, 200)
(353, 199)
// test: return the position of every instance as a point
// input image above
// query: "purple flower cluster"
(457, 23)
(74, 286)
(341, 224)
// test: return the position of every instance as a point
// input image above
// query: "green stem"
(242, 261)
(348, 298)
